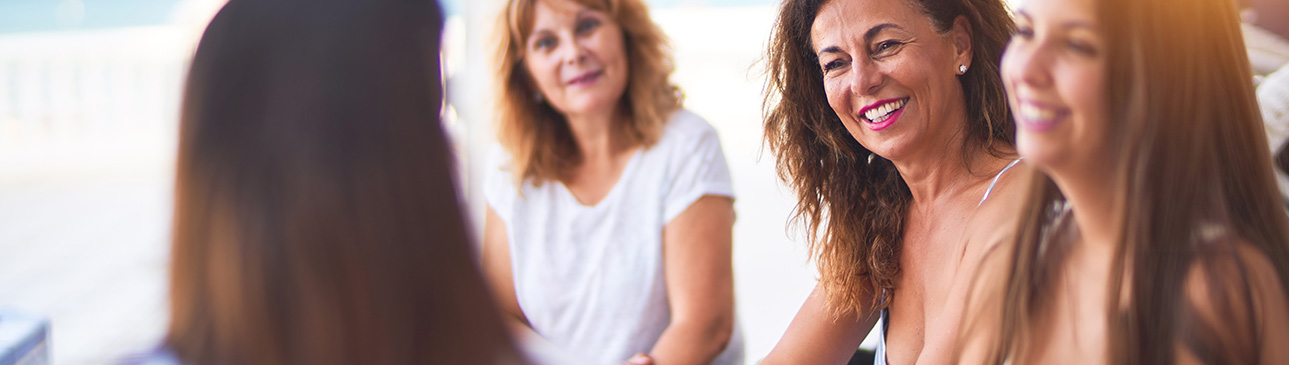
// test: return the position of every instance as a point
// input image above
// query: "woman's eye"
(833, 65)
(881, 49)
(1082, 47)
(543, 43)
(586, 25)
(1024, 32)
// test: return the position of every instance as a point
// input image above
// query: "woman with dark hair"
(316, 219)
(1153, 234)
(889, 120)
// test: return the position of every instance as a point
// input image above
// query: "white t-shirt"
(590, 278)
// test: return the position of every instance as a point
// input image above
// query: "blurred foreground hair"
(1196, 198)
(316, 219)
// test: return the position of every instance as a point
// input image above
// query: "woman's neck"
(941, 175)
(1091, 196)
(597, 134)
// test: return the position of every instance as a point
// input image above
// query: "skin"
(568, 42)
(1054, 70)
(874, 50)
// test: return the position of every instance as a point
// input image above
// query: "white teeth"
(1036, 113)
(880, 113)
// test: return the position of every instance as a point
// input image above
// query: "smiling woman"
(610, 208)
(888, 118)
(1154, 234)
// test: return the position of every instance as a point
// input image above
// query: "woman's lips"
(883, 114)
(887, 122)
(1039, 117)
(586, 78)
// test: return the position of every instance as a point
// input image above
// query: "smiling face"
(891, 76)
(1054, 70)
(576, 56)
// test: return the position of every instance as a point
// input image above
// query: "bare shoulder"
(1235, 288)
(980, 329)
(997, 217)
(1234, 268)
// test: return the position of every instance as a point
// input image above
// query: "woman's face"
(890, 76)
(576, 57)
(1054, 70)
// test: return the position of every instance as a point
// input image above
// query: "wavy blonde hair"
(536, 135)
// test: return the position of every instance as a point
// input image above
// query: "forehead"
(545, 9)
(840, 20)
(1059, 11)
(547, 12)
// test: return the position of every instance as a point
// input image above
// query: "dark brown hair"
(1194, 185)
(316, 219)
(854, 209)
(537, 136)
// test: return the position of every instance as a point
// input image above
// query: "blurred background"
(89, 99)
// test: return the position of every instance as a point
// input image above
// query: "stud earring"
(537, 97)
(962, 69)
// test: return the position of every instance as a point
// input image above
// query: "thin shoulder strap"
(995, 182)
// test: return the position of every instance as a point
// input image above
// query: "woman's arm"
(496, 267)
(698, 269)
(817, 336)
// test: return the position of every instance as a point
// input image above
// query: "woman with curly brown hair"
(889, 120)
(610, 208)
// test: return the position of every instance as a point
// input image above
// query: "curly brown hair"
(537, 136)
(851, 202)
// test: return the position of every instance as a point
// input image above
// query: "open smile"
(884, 113)
(1038, 117)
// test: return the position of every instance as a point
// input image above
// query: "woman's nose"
(866, 78)
(573, 53)
(1030, 65)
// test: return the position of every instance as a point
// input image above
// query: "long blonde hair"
(538, 137)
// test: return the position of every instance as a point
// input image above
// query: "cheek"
(1085, 89)
(545, 74)
(1009, 69)
(614, 55)
(834, 92)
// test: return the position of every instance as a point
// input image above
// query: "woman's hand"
(638, 359)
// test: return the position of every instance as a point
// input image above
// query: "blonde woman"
(610, 209)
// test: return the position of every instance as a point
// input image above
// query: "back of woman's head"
(316, 219)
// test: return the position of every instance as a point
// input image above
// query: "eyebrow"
(581, 13)
(868, 36)
(1067, 25)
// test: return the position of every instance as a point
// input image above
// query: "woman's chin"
(1041, 154)
(589, 104)
(895, 148)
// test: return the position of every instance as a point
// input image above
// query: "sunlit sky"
(17, 16)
